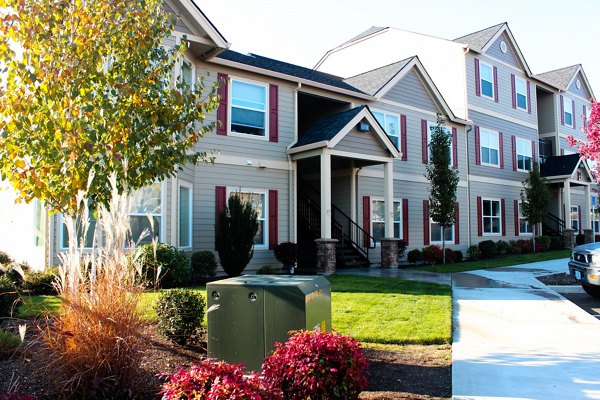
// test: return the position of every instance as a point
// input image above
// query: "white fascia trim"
(402, 176)
(494, 181)
(502, 116)
(308, 154)
(289, 78)
(514, 44)
(192, 38)
(336, 49)
(587, 168)
(411, 108)
(574, 95)
(307, 147)
(255, 163)
(204, 23)
(359, 156)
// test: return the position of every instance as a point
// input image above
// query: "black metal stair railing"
(553, 225)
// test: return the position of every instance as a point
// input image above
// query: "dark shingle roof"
(560, 77)
(370, 82)
(327, 127)
(287, 68)
(478, 40)
(559, 165)
(368, 32)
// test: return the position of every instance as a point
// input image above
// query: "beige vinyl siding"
(411, 91)
(363, 143)
(510, 57)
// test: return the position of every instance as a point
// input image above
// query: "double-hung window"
(525, 228)
(595, 215)
(568, 111)
(431, 127)
(486, 80)
(521, 93)
(258, 200)
(146, 214)
(490, 147)
(391, 124)
(185, 215)
(492, 216)
(378, 219)
(84, 231)
(524, 155)
(575, 218)
(188, 72)
(248, 108)
(435, 232)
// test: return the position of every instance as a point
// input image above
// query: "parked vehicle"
(584, 266)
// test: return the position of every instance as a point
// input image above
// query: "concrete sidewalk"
(515, 338)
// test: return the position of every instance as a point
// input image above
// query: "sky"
(550, 33)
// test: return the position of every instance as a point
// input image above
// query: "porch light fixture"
(363, 127)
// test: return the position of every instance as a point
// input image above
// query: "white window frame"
(451, 228)
(399, 222)
(526, 222)
(483, 217)
(575, 221)
(39, 224)
(489, 133)
(523, 82)
(386, 115)
(448, 131)
(481, 79)
(230, 106)
(62, 231)
(528, 152)
(160, 215)
(570, 112)
(186, 60)
(265, 218)
(595, 215)
(190, 187)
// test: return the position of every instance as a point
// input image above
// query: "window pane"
(495, 208)
(397, 211)
(247, 95)
(449, 234)
(186, 73)
(146, 200)
(487, 88)
(259, 238)
(247, 121)
(184, 216)
(495, 225)
(392, 125)
(522, 101)
(486, 73)
(379, 117)
(436, 232)
(141, 226)
(493, 156)
(397, 230)
(378, 211)
(378, 231)
(487, 225)
(568, 118)
(487, 207)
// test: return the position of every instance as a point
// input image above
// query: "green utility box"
(248, 314)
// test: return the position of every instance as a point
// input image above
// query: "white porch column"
(388, 184)
(325, 195)
(586, 220)
(353, 213)
(567, 203)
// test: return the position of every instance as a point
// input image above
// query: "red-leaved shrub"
(211, 380)
(431, 254)
(16, 396)
(316, 365)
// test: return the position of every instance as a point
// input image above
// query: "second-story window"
(521, 93)
(487, 80)
(248, 108)
(391, 123)
(490, 147)
(431, 127)
(568, 111)
(524, 155)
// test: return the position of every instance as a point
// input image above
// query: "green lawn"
(496, 262)
(372, 310)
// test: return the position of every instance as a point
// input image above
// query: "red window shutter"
(367, 215)
(516, 211)
(424, 142)
(513, 88)
(477, 147)
(426, 222)
(454, 148)
(495, 84)
(574, 119)
(220, 204)
(403, 144)
(479, 217)
(405, 220)
(273, 220)
(273, 113)
(513, 139)
(501, 149)
(579, 218)
(529, 97)
(585, 116)
(562, 110)
(223, 93)
(456, 224)
(477, 78)
(503, 211)
(533, 151)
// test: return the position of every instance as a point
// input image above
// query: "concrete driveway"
(515, 338)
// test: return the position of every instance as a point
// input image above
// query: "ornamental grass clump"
(212, 380)
(316, 365)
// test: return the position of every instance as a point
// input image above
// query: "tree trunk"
(443, 246)
(533, 240)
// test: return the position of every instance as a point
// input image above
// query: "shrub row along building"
(334, 157)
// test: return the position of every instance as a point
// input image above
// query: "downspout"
(468, 130)
(292, 177)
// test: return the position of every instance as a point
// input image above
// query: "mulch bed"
(412, 372)
(558, 279)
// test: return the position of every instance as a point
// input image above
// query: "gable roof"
(559, 166)
(481, 41)
(329, 130)
(371, 31)
(562, 78)
(372, 81)
(292, 70)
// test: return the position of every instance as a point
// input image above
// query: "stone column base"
(326, 252)
(569, 238)
(588, 236)
(389, 252)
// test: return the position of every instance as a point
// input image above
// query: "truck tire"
(593, 291)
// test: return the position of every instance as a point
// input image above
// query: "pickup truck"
(584, 266)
